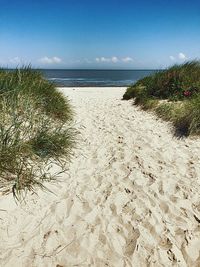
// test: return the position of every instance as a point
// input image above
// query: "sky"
(94, 34)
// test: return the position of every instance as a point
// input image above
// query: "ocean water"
(101, 78)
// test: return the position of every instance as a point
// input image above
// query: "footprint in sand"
(131, 242)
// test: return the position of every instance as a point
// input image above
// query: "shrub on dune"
(179, 85)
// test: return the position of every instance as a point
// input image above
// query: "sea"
(91, 78)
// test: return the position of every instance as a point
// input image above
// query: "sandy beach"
(130, 196)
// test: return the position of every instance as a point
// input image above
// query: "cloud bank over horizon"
(99, 62)
(113, 59)
(50, 60)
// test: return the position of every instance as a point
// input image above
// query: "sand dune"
(130, 198)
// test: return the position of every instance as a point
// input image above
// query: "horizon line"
(85, 69)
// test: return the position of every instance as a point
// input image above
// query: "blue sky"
(99, 34)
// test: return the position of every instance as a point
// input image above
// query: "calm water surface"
(100, 78)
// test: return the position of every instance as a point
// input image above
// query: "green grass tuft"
(31, 82)
(35, 131)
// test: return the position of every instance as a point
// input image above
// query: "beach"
(130, 196)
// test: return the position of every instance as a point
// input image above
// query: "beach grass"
(173, 94)
(31, 82)
(35, 131)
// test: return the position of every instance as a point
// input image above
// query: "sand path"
(131, 197)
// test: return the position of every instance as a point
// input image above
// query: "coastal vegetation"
(173, 94)
(35, 131)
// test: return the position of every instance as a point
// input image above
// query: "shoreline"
(92, 86)
(130, 196)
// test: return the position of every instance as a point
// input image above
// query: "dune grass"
(31, 82)
(35, 131)
(173, 94)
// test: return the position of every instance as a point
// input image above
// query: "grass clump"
(33, 137)
(31, 82)
(174, 94)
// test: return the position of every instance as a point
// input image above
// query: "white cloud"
(127, 59)
(57, 59)
(182, 56)
(172, 58)
(179, 56)
(15, 60)
(103, 59)
(50, 60)
(114, 59)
